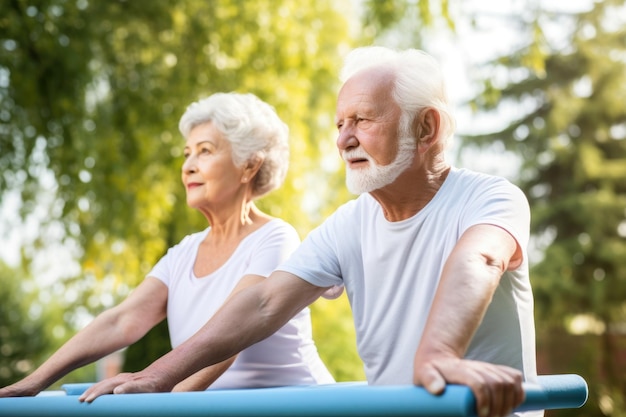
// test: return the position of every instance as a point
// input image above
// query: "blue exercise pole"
(343, 399)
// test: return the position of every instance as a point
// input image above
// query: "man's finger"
(123, 389)
(431, 379)
(92, 393)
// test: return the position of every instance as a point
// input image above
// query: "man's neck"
(410, 192)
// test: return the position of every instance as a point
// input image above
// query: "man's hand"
(498, 389)
(126, 383)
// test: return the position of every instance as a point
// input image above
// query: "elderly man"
(433, 257)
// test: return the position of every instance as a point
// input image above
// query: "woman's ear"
(251, 167)
(426, 127)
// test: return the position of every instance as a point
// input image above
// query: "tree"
(569, 130)
(402, 23)
(90, 97)
(22, 334)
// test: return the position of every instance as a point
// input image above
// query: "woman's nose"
(189, 165)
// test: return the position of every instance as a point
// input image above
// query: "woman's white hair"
(253, 130)
(419, 81)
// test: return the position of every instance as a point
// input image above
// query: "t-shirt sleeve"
(160, 271)
(502, 204)
(316, 259)
(272, 249)
(165, 268)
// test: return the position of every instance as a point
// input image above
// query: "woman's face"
(208, 173)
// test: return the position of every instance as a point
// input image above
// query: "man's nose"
(347, 137)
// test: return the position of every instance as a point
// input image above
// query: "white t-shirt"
(289, 357)
(391, 271)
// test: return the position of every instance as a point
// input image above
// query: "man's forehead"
(363, 95)
(374, 81)
(357, 98)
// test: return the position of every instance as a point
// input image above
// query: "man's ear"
(426, 127)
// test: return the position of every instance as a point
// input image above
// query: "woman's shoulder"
(275, 235)
(277, 226)
(190, 240)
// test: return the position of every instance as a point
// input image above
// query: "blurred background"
(90, 194)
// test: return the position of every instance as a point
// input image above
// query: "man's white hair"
(418, 84)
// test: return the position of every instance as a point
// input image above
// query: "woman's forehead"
(205, 132)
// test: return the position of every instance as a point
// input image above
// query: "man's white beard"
(374, 176)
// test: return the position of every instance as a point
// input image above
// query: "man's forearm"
(248, 317)
(457, 310)
(203, 379)
(242, 321)
(468, 281)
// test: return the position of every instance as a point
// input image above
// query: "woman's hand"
(20, 389)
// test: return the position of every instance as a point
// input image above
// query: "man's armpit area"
(518, 256)
(503, 246)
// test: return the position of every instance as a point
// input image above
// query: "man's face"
(370, 141)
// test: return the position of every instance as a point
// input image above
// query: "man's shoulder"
(464, 178)
(481, 187)
(349, 215)
(356, 207)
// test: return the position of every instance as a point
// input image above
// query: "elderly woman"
(236, 150)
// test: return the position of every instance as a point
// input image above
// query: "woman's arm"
(113, 329)
(249, 317)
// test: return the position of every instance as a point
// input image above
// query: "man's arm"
(249, 317)
(202, 379)
(469, 279)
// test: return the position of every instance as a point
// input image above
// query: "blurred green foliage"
(90, 97)
(23, 337)
(91, 93)
(569, 131)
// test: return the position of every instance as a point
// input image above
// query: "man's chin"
(357, 189)
(356, 192)
(356, 184)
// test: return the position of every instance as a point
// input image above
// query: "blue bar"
(343, 399)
